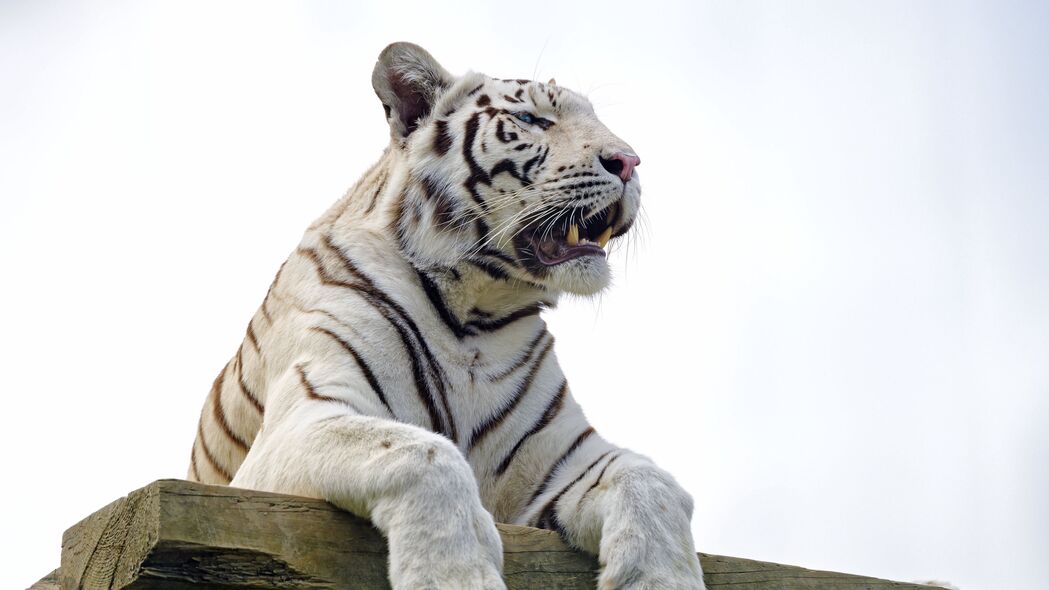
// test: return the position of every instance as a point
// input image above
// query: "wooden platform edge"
(175, 534)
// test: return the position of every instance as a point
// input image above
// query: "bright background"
(836, 333)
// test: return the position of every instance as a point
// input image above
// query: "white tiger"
(399, 368)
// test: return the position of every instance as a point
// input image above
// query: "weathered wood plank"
(179, 535)
(747, 574)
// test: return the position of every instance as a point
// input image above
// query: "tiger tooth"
(604, 237)
(573, 235)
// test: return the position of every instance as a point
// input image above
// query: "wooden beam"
(178, 535)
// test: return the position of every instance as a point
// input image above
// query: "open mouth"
(574, 234)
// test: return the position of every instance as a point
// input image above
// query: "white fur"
(326, 433)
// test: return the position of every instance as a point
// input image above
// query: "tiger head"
(515, 176)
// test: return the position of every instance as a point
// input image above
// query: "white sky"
(835, 334)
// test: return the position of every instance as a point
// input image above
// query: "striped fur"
(399, 365)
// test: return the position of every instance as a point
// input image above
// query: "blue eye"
(530, 119)
(525, 117)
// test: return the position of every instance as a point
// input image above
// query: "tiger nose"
(621, 164)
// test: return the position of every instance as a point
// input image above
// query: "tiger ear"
(408, 81)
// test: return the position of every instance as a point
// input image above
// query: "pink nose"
(620, 164)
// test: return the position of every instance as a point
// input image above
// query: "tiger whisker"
(501, 202)
(526, 213)
(523, 218)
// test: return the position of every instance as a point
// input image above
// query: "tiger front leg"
(414, 485)
(637, 519)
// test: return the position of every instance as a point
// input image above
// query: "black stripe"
(542, 159)
(528, 165)
(502, 134)
(396, 315)
(583, 174)
(522, 388)
(488, 251)
(442, 140)
(508, 166)
(265, 311)
(599, 476)
(481, 228)
(547, 517)
(499, 274)
(368, 374)
(493, 325)
(583, 184)
(255, 403)
(311, 391)
(560, 461)
(207, 453)
(437, 301)
(520, 362)
(399, 223)
(251, 338)
(273, 285)
(555, 405)
(477, 174)
(489, 269)
(442, 201)
(219, 414)
(378, 191)
(422, 387)
(386, 300)
(436, 372)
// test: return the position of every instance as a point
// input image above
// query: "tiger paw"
(444, 554)
(665, 572)
(647, 543)
(478, 579)
(446, 568)
(442, 568)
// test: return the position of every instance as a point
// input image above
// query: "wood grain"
(180, 535)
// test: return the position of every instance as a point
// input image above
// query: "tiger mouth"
(574, 234)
